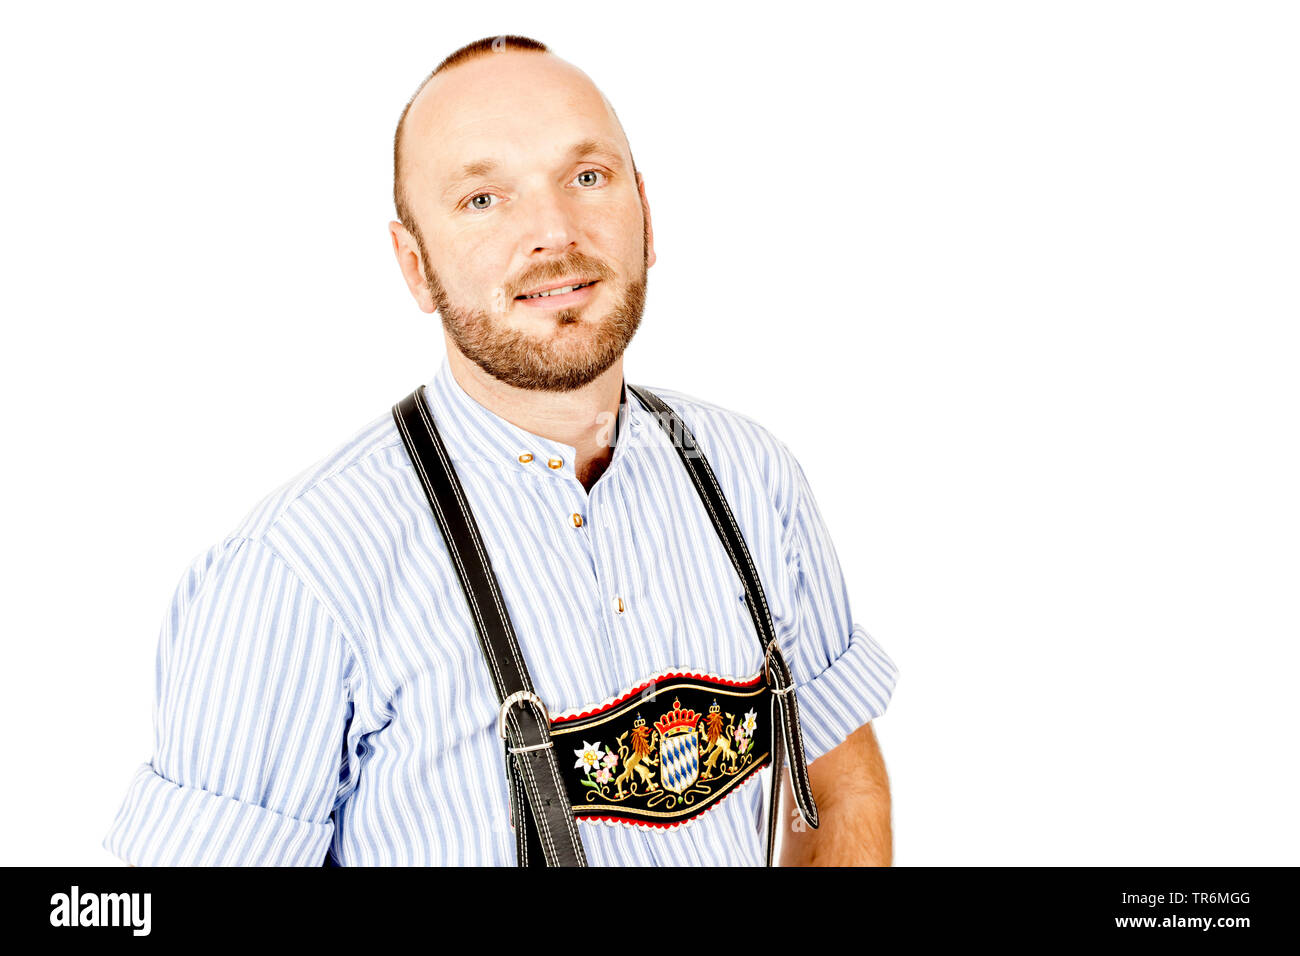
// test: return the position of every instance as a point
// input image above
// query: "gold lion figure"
(717, 743)
(642, 740)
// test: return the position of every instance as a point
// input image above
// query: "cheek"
(474, 268)
(618, 237)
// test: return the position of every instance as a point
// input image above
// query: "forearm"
(851, 789)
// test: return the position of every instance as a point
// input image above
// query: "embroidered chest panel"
(666, 751)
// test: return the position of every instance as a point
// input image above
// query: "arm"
(252, 702)
(844, 680)
(851, 789)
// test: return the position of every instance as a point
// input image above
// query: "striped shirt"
(320, 685)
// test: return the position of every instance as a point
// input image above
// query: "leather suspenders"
(538, 800)
(777, 673)
(545, 831)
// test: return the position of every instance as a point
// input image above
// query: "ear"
(649, 228)
(407, 251)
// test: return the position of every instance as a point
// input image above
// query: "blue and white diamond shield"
(679, 760)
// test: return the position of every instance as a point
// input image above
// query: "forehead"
(510, 107)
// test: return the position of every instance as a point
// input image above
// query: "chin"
(561, 322)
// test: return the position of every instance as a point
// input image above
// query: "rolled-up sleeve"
(249, 720)
(843, 678)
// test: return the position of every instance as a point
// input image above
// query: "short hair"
(469, 51)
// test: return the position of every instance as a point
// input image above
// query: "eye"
(588, 177)
(473, 201)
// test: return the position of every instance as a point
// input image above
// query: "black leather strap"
(544, 826)
(779, 677)
(774, 793)
(534, 777)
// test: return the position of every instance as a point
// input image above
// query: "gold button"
(577, 521)
(555, 463)
(618, 604)
(526, 457)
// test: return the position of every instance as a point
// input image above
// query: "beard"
(574, 350)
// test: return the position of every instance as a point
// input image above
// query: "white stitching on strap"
(509, 627)
(517, 812)
(794, 738)
(523, 762)
(774, 795)
(453, 550)
(473, 534)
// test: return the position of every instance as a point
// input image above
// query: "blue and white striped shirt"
(320, 686)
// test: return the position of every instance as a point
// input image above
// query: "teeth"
(561, 291)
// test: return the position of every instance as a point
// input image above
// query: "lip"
(573, 280)
(560, 301)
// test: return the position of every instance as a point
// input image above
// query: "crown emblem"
(639, 722)
(714, 709)
(676, 720)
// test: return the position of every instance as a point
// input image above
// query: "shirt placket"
(583, 519)
(598, 539)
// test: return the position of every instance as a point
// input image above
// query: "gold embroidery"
(698, 757)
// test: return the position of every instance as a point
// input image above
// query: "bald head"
(523, 220)
(489, 77)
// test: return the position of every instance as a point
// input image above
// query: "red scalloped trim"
(667, 675)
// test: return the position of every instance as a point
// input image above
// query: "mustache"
(575, 264)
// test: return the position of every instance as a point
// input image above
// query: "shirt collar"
(473, 432)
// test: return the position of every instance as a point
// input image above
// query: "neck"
(584, 418)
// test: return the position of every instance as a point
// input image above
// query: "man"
(322, 690)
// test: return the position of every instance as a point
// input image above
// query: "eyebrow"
(479, 168)
(596, 147)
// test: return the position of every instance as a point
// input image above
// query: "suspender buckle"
(513, 699)
(767, 655)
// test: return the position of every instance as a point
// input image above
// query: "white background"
(1017, 282)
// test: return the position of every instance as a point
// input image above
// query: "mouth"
(559, 295)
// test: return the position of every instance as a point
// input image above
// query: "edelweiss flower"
(751, 722)
(589, 756)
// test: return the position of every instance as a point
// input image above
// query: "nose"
(550, 224)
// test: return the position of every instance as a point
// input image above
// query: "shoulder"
(320, 532)
(365, 460)
(723, 424)
(310, 550)
(739, 446)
